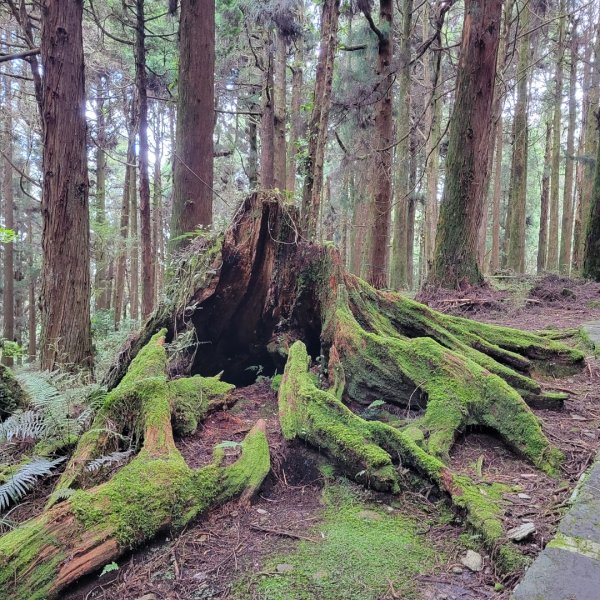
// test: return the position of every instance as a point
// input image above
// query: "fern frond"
(24, 480)
(110, 459)
(62, 494)
(22, 426)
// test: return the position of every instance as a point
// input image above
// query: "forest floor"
(311, 534)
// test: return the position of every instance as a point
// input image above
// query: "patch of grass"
(364, 548)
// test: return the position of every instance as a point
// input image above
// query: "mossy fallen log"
(155, 491)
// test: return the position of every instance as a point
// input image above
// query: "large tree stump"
(261, 295)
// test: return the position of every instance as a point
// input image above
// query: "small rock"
(457, 570)
(148, 597)
(284, 568)
(524, 496)
(521, 532)
(577, 417)
(369, 515)
(528, 475)
(473, 561)
(262, 511)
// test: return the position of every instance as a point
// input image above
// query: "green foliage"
(7, 235)
(62, 404)
(109, 568)
(12, 349)
(24, 479)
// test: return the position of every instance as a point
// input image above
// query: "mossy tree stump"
(261, 296)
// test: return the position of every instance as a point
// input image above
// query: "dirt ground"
(231, 543)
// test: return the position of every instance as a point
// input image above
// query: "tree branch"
(18, 55)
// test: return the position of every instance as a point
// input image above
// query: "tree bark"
(591, 255)
(544, 201)
(101, 283)
(433, 115)
(121, 262)
(566, 237)
(381, 206)
(134, 241)
(65, 295)
(402, 189)
(553, 229)
(494, 264)
(517, 191)
(8, 293)
(267, 119)
(591, 99)
(319, 119)
(31, 306)
(193, 161)
(296, 117)
(466, 169)
(145, 216)
(280, 112)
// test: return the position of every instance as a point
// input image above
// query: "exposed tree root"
(260, 297)
(155, 491)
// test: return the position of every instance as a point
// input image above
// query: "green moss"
(18, 550)
(192, 397)
(361, 549)
(576, 544)
(276, 382)
(319, 417)
(150, 492)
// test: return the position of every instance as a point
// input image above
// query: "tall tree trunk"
(31, 300)
(279, 112)
(193, 160)
(8, 294)
(544, 201)
(101, 283)
(119, 286)
(591, 256)
(134, 257)
(433, 115)
(157, 210)
(566, 237)
(252, 168)
(319, 119)
(498, 132)
(66, 330)
(267, 119)
(553, 230)
(382, 202)
(517, 191)
(494, 264)
(296, 116)
(591, 100)
(145, 216)
(399, 277)
(466, 166)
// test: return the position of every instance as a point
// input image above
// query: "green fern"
(64, 405)
(112, 459)
(24, 480)
(28, 425)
